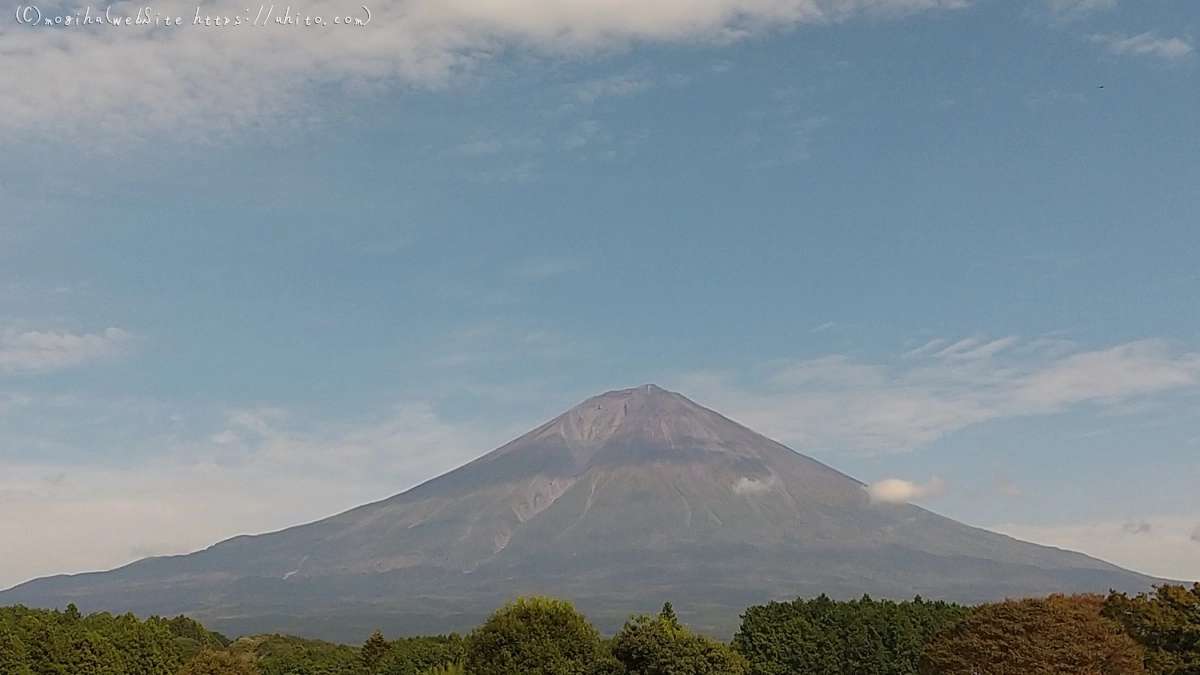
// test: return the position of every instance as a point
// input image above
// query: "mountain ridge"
(631, 494)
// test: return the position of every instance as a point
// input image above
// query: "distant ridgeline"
(1154, 633)
(628, 499)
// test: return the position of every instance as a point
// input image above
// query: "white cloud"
(1157, 545)
(1147, 43)
(752, 486)
(257, 420)
(105, 85)
(926, 348)
(1077, 9)
(899, 491)
(1108, 375)
(972, 350)
(35, 351)
(837, 403)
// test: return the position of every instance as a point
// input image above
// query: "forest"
(1152, 633)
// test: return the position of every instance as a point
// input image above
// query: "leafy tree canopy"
(373, 650)
(1166, 623)
(534, 636)
(1059, 635)
(13, 658)
(419, 655)
(219, 663)
(820, 636)
(662, 646)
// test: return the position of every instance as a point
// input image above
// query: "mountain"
(629, 499)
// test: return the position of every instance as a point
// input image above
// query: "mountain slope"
(630, 498)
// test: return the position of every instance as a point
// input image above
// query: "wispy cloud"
(1069, 10)
(1145, 44)
(588, 93)
(926, 348)
(1156, 545)
(252, 470)
(1142, 526)
(537, 269)
(227, 80)
(836, 402)
(782, 131)
(899, 491)
(37, 351)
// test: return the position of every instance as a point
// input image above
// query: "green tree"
(91, 654)
(668, 614)
(147, 648)
(45, 645)
(210, 662)
(447, 669)
(71, 615)
(820, 636)
(418, 655)
(290, 655)
(373, 651)
(50, 642)
(1165, 623)
(662, 646)
(188, 628)
(534, 636)
(1058, 635)
(13, 659)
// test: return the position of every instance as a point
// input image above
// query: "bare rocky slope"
(629, 499)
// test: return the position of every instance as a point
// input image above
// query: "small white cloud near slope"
(750, 486)
(900, 491)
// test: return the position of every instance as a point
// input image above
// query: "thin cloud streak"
(39, 352)
(1145, 44)
(837, 403)
(1071, 10)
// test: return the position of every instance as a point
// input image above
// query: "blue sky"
(251, 277)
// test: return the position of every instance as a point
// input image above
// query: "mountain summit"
(628, 499)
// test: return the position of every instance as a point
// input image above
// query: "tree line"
(1155, 633)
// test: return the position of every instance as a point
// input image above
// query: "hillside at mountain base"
(630, 499)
